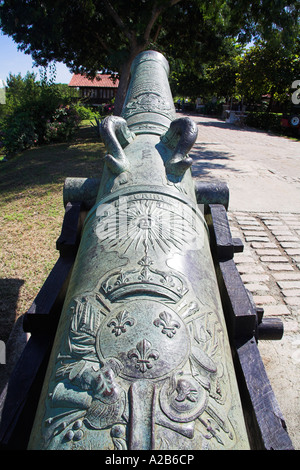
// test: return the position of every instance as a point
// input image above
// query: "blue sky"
(14, 61)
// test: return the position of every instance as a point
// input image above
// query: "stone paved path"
(262, 172)
(270, 263)
(270, 269)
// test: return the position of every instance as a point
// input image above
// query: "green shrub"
(213, 109)
(35, 113)
(62, 125)
(18, 132)
(265, 121)
(85, 113)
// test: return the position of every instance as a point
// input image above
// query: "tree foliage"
(268, 69)
(212, 78)
(88, 35)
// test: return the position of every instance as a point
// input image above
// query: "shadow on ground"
(12, 336)
(220, 124)
(9, 293)
(214, 122)
(51, 164)
(205, 161)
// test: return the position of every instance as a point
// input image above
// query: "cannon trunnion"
(153, 336)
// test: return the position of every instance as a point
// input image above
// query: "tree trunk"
(135, 47)
(124, 81)
(269, 109)
(122, 88)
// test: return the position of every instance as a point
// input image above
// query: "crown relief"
(147, 279)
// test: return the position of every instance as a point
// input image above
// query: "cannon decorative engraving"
(141, 358)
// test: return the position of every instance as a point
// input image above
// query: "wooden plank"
(238, 245)
(49, 301)
(69, 239)
(41, 320)
(18, 392)
(239, 311)
(266, 411)
(221, 233)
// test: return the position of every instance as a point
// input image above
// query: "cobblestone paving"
(270, 263)
(270, 269)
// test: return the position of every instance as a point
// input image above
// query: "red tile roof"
(105, 81)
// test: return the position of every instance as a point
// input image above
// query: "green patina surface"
(141, 358)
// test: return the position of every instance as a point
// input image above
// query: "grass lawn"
(31, 198)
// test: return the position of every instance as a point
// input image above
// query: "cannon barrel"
(141, 358)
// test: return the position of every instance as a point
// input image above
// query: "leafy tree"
(187, 82)
(268, 68)
(209, 66)
(88, 35)
(215, 77)
(195, 47)
(222, 78)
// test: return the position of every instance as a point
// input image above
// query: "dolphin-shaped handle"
(116, 135)
(180, 136)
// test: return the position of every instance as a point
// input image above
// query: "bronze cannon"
(144, 356)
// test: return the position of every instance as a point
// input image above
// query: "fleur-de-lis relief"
(145, 273)
(122, 279)
(169, 325)
(143, 355)
(120, 322)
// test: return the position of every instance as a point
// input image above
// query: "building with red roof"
(99, 90)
